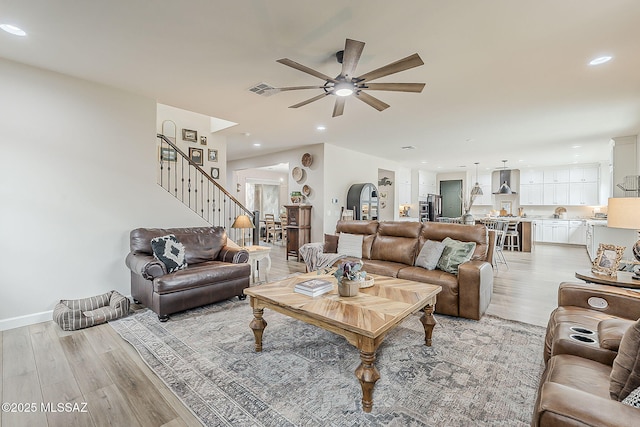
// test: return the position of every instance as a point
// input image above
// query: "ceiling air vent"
(263, 89)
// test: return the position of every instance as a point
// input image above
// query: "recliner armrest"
(233, 255)
(475, 288)
(145, 265)
(620, 302)
(560, 405)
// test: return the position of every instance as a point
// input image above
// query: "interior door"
(451, 204)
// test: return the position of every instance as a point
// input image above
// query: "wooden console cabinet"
(298, 228)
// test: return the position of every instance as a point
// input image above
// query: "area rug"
(477, 373)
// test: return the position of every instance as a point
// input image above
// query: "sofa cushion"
(454, 254)
(350, 245)
(625, 373)
(611, 331)
(330, 244)
(202, 274)
(383, 268)
(168, 250)
(447, 301)
(578, 373)
(430, 254)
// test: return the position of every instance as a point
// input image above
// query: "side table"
(622, 279)
(257, 254)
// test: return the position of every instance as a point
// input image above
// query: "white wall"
(79, 174)
(313, 177)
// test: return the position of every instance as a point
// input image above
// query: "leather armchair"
(215, 271)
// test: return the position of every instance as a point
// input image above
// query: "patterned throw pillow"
(633, 399)
(430, 254)
(454, 254)
(170, 252)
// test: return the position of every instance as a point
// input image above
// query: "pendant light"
(476, 190)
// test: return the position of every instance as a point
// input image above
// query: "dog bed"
(86, 312)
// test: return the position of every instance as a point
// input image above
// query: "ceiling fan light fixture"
(343, 89)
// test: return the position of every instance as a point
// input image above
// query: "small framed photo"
(168, 154)
(215, 173)
(190, 135)
(607, 259)
(196, 154)
(203, 140)
(506, 206)
(213, 155)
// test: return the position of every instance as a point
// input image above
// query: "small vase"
(468, 219)
(348, 288)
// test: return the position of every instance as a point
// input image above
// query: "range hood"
(505, 182)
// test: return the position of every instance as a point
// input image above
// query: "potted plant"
(296, 197)
(349, 275)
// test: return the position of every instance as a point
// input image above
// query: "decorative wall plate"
(307, 159)
(297, 174)
(306, 190)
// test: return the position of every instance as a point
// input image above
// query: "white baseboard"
(29, 319)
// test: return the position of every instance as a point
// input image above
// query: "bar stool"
(512, 237)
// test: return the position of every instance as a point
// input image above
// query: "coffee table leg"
(368, 374)
(428, 321)
(257, 325)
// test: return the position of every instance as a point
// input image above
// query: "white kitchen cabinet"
(531, 176)
(426, 184)
(555, 231)
(584, 174)
(531, 194)
(578, 232)
(556, 175)
(583, 193)
(537, 231)
(556, 194)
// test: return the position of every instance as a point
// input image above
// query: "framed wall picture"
(607, 259)
(196, 154)
(168, 154)
(190, 135)
(215, 173)
(203, 140)
(213, 155)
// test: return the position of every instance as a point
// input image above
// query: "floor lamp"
(242, 222)
(624, 212)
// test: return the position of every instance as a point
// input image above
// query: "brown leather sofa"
(585, 336)
(390, 248)
(215, 271)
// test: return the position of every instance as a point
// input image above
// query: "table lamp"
(624, 212)
(242, 222)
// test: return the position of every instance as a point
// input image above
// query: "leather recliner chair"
(215, 271)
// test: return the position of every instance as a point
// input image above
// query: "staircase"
(189, 183)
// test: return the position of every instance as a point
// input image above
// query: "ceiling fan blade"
(305, 69)
(395, 67)
(310, 100)
(374, 102)
(282, 89)
(396, 87)
(338, 108)
(352, 51)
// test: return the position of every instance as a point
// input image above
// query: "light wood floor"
(41, 363)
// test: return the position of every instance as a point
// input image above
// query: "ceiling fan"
(345, 84)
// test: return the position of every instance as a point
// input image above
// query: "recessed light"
(12, 29)
(321, 127)
(424, 162)
(600, 60)
(408, 147)
(257, 144)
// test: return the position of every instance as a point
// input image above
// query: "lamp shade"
(624, 212)
(242, 221)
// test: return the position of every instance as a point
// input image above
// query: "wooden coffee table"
(622, 279)
(364, 320)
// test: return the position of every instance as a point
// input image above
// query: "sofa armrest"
(620, 302)
(559, 405)
(145, 265)
(475, 287)
(233, 255)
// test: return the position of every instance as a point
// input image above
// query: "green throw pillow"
(454, 254)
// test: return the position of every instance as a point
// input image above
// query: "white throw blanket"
(314, 257)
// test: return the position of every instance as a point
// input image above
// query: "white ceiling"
(505, 79)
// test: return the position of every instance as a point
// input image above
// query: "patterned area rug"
(476, 374)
